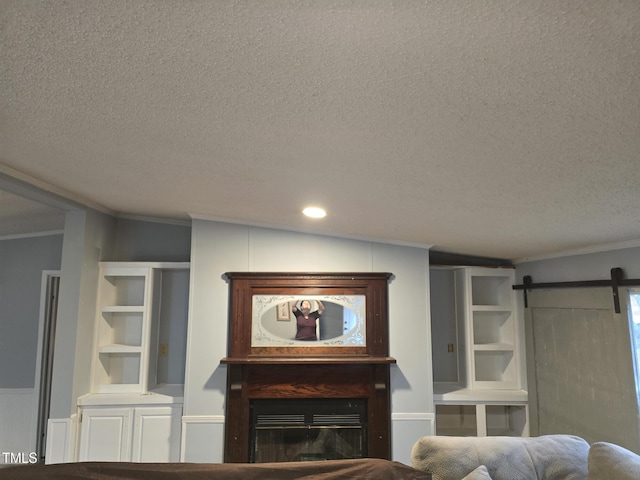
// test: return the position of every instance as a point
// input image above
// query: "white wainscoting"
(406, 429)
(17, 421)
(202, 439)
(62, 440)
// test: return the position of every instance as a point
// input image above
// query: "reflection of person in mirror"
(306, 320)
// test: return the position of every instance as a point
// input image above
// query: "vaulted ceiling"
(500, 128)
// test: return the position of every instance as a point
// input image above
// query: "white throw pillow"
(608, 461)
(480, 473)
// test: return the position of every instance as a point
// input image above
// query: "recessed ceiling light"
(314, 212)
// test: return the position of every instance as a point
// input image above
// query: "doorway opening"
(634, 327)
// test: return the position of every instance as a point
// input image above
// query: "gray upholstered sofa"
(549, 457)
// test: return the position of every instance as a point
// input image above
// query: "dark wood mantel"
(312, 373)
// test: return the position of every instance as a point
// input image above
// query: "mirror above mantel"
(268, 309)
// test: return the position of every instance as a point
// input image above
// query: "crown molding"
(604, 247)
(19, 236)
(19, 183)
(143, 218)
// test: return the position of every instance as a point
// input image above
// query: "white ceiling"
(501, 128)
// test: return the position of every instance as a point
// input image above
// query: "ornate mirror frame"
(248, 291)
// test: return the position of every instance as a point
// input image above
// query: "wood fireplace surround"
(295, 371)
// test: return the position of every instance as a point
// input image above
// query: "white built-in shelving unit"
(128, 300)
(486, 302)
(487, 395)
(134, 409)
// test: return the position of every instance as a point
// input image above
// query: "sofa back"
(548, 457)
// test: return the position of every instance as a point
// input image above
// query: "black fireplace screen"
(297, 430)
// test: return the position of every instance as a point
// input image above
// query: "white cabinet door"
(156, 434)
(105, 435)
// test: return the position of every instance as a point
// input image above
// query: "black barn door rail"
(617, 280)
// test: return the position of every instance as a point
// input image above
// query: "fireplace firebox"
(307, 429)
(293, 402)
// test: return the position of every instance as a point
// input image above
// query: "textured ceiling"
(503, 128)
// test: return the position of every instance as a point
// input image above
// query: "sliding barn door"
(580, 366)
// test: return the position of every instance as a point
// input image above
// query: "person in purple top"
(306, 320)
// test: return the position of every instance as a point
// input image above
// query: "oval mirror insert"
(312, 320)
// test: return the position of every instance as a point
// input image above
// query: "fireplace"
(351, 380)
(307, 429)
(307, 401)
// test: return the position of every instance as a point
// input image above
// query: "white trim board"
(605, 247)
(19, 236)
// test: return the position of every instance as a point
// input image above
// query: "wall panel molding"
(17, 420)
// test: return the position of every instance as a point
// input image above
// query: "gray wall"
(172, 330)
(443, 326)
(594, 266)
(22, 261)
(146, 241)
(219, 248)
(88, 239)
